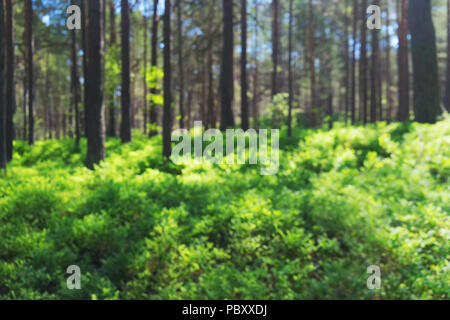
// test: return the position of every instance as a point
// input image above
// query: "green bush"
(140, 228)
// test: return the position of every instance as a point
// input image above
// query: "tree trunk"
(255, 103)
(424, 56)
(125, 128)
(10, 85)
(154, 62)
(111, 132)
(3, 149)
(374, 74)
(84, 43)
(313, 108)
(447, 84)
(180, 63)
(145, 57)
(346, 63)
(388, 65)
(363, 65)
(95, 85)
(403, 63)
(30, 66)
(355, 34)
(291, 80)
(211, 118)
(275, 45)
(226, 80)
(167, 115)
(75, 86)
(244, 83)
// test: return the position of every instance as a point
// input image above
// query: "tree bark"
(346, 63)
(363, 65)
(75, 85)
(275, 45)
(374, 74)
(403, 63)
(388, 66)
(3, 149)
(255, 102)
(95, 85)
(226, 80)
(355, 34)
(167, 115)
(111, 132)
(291, 80)
(125, 128)
(30, 66)
(447, 84)
(424, 56)
(154, 63)
(244, 83)
(180, 63)
(84, 43)
(10, 84)
(313, 108)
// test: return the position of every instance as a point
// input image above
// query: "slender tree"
(145, 63)
(111, 131)
(403, 62)
(275, 44)
(447, 84)
(167, 114)
(3, 151)
(125, 128)
(154, 63)
(424, 57)
(226, 79)
(75, 83)
(363, 65)
(388, 64)
(244, 83)
(84, 45)
(180, 62)
(95, 84)
(346, 62)
(355, 34)
(255, 102)
(291, 78)
(312, 67)
(10, 85)
(30, 67)
(374, 74)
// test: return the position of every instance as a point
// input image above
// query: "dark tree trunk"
(291, 80)
(10, 86)
(312, 68)
(275, 45)
(355, 34)
(403, 63)
(111, 132)
(424, 56)
(154, 62)
(388, 67)
(30, 66)
(244, 83)
(226, 80)
(3, 149)
(95, 85)
(363, 65)
(25, 95)
(167, 114)
(346, 64)
(211, 105)
(180, 63)
(84, 43)
(255, 103)
(125, 128)
(447, 84)
(374, 74)
(145, 57)
(75, 87)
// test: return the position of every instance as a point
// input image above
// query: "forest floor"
(343, 200)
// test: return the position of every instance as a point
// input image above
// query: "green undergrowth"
(141, 228)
